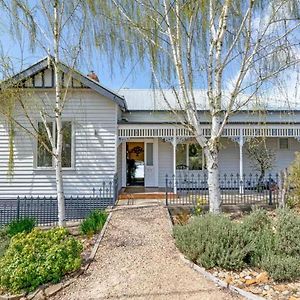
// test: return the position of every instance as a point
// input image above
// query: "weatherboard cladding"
(95, 119)
(95, 127)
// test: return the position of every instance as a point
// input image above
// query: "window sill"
(53, 169)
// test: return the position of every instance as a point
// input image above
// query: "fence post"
(270, 190)
(18, 208)
(166, 189)
(270, 197)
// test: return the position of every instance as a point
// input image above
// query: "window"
(181, 156)
(283, 143)
(189, 156)
(44, 158)
(149, 154)
(66, 155)
(195, 157)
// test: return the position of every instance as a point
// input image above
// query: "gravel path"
(137, 259)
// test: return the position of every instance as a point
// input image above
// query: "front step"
(151, 195)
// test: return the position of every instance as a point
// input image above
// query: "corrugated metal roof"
(151, 100)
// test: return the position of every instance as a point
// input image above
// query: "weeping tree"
(233, 50)
(60, 29)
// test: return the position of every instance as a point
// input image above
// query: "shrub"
(18, 226)
(38, 257)
(287, 229)
(257, 230)
(4, 241)
(282, 267)
(213, 241)
(256, 221)
(294, 182)
(93, 223)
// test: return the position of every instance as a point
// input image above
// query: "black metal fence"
(192, 189)
(45, 209)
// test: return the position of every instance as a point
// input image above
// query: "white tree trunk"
(58, 121)
(212, 158)
(60, 193)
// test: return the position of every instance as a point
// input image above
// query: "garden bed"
(244, 251)
(41, 261)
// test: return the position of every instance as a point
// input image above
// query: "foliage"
(259, 241)
(282, 267)
(261, 156)
(213, 241)
(94, 222)
(199, 203)
(287, 237)
(294, 183)
(38, 257)
(4, 241)
(23, 225)
(258, 231)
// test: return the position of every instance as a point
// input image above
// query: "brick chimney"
(93, 75)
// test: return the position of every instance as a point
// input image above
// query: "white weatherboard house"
(131, 134)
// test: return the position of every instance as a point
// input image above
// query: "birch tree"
(233, 50)
(59, 28)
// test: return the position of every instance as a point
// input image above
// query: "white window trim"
(288, 144)
(35, 166)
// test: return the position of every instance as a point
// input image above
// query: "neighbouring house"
(131, 135)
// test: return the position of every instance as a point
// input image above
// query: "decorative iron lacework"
(164, 132)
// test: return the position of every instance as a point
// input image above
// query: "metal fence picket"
(45, 211)
(188, 189)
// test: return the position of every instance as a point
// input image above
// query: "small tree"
(293, 180)
(261, 156)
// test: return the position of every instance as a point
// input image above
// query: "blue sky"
(140, 77)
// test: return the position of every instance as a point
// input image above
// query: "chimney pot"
(92, 75)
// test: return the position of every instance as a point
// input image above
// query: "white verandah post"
(241, 144)
(174, 143)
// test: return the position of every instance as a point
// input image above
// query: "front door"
(151, 163)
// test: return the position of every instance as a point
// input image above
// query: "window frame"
(187, 158)
(288, 144)
(39, 168)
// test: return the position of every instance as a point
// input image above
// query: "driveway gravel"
(137, 259)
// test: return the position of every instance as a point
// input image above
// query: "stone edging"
(210, 276)
(218, 281)
(48, 290)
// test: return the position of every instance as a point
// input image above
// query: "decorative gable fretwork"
(46, 79)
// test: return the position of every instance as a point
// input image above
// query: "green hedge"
(259, 241)
(38, 257)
